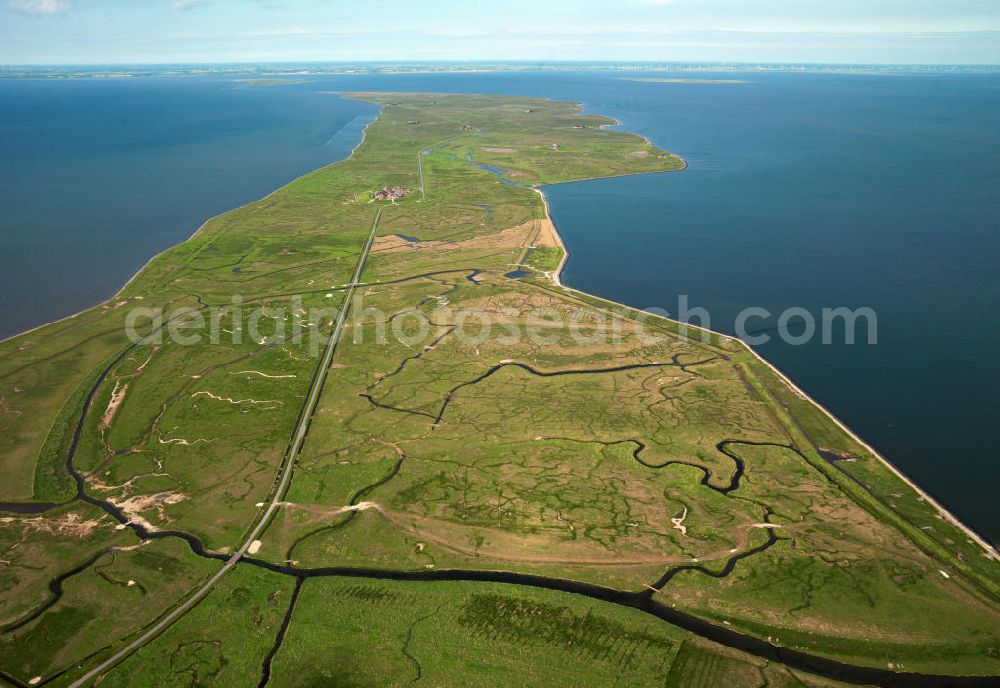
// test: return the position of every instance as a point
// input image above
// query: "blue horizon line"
(489, 62)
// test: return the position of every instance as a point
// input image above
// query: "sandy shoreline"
(556, 279)
(947, 515)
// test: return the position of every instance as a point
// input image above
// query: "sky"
(185, 31)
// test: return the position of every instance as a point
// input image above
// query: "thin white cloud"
(182, 5)
(459, 32)
(292, 31)
(40, 6)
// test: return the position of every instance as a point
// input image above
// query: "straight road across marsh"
(301, 429)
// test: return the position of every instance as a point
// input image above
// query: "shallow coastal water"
(803, 190)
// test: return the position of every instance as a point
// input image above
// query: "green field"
(495, 480)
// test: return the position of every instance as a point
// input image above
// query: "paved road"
(420, 171)
(286, 476)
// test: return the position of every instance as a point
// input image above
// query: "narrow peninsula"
(405, 452)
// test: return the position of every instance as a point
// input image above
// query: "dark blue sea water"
(826, 191)
(97, 176)
(809, 190)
